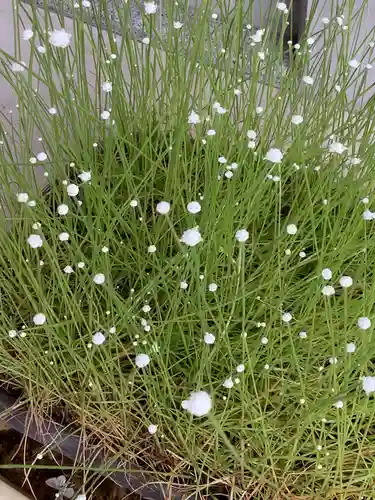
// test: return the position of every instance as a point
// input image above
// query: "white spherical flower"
(353, 63)
(364, 323)
(326, 274)
(257, 37)
(291, 229)
(105, 249)
(297, 119)
(133, 203)
(346, 281)
(105, 115)
(41, 49)
(222, 160)
(22, 197)
(193, 118)
(212, 287)
(68, 270)
(264, 340)
(142, 360)
(368, 385)
(259, 110)
(228, 383)
(228, 174)
(98, 338)
(62, 209)
(350, 347)
(209, 338)
(152, 429)
(150, 7)
(86, 4)
(146, 308)
(183, 285)
(333, 361)
(81, 265)
(12, 334)
(35, 241)
(27, 34)
(240, 368)
(251, 134)
(281, 6)
(310, 41)
(99, 279)
(302, 254)
(328, 290)
(151, 249)
(18, 67)
(274, 155)
(302, 335)
(72, 189)
(368, 215)
(107, 87)
(163, 207)
(339, 404)
(288, 251)
(198, 404)
(211, 132)
(287, 317)
(63, 236)
(39, 319)
(194, 207)
(308, 80)
(85, 176)
(191, 237)
(177, 25)
(41, 156)
(60, 38)
(146, 40)
(242, 235)
(337, 148)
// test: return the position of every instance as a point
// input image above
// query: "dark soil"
(32, 482)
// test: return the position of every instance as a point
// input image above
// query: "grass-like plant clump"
(187, 244)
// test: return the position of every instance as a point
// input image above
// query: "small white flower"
(191, 237)
(242, 235)
(150, 8)
(339, 404)
(264, 340)
(337, 88)
(63, 236)
(68, 270)
(107, 87)
(368, 66)
(60, 38)
(86, 4)
(240, 368)
(281, 6)
(39, 319)
(211, 132)
(291, 229)
(353, 63)
(297, 119)
(310, 41)
(98, 338)
(259, 110)
(222, 160)
(251, 144)
(112, 329)
(302, 255)
(41, 156)
(350, 348)
(142, 360)
(193, 118)
(105, 115)
(85, 176)
(35, 241)
(287, 317)
(368, 385)
(333, 361)
(212, 287)
(198, 404)
(355, 161)
(151, 249)
(237, 92)
(105, 249)
(337, 147)
(152, 429)
(22, 197)
(326, 274)
(133, 203)
(177, 25)
(72, 189)
(251, 134)
(308, 80)
(364, 323)
(228, 383)
(209, 338)
(146, 308)
(41, 49)
(194, 207)
(274, 155)
(62, 209)
(18, 67)
(288, 251)
(302, 335)
(99, 279)
(52, 111)
(81, 265)
(261, 56)
(346, 281)
(368, 215)
(27, 34)
(12, 334)
(146, 40)
(365, 200)
(328, 290)
(257, 38)
(183, 285)
(325, 20)
(163, 207)
(228, 174)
